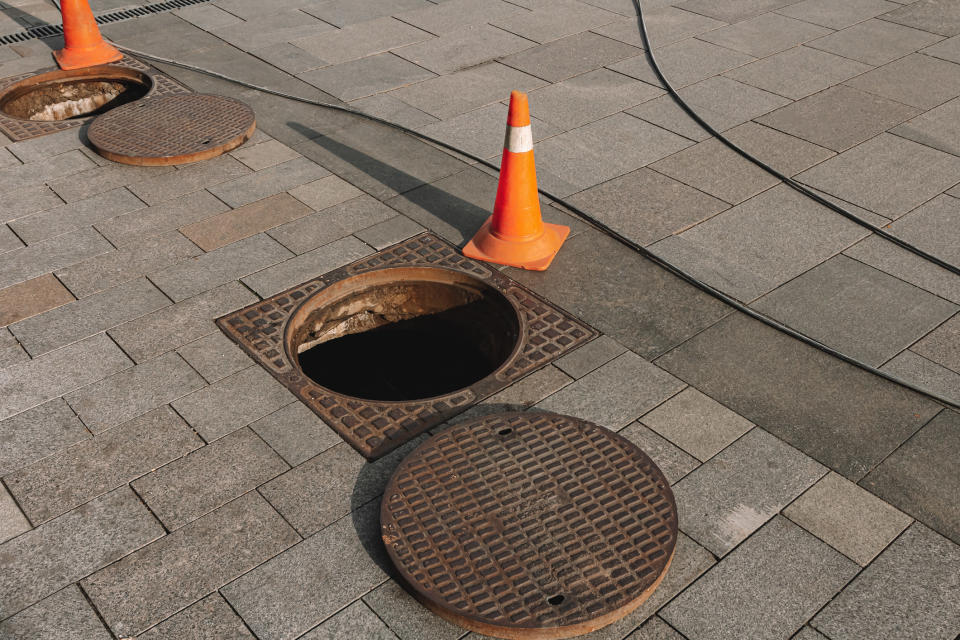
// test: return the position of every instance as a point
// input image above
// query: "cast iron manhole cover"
(402, 340)
(529, 525)
(174, 129)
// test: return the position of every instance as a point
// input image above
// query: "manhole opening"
(555, 600)
(68, 95)
(404, 334)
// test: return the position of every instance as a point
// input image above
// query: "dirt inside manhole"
(66, 95)
(404, 334)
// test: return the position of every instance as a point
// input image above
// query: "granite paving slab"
(454, 14)
(366, 76)
(407, 618)
(362, 39)
(907, 266)
(734, 10)
(66, 615)
(875, 42)
(917, 80)
(925, 373)
(934, 128)
(478, 131)
(277, 278)
(673, 461)
(836, 15)
(665, 25)
(49, 255)
(344, 12)
(37, 433)
(32, 297)
(590, 356)
(937, 16)
(683, 63)
(214, 356)
(173, 184)
(798, 72)
(555, 20)
(569, 56)
(132, 229)
(76, 215)
(357, 618)
(296, 433)
(765, 34)
(12, 520)
(724, 103)
(208, 619)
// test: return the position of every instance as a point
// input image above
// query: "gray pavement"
(156, 483)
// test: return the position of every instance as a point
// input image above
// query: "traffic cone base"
(83, 44)
(73, 58)
(534, 255)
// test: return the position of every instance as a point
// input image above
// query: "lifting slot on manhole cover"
(557, 530)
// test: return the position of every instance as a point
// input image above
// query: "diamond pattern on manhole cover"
(265, 331)
(173, 129)
(529, 525)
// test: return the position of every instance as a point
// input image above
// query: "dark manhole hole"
(52, 100)
(529, 525)
(172, 129)
(398, 342)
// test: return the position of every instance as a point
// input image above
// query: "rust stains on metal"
(414, 279)
(529, 525)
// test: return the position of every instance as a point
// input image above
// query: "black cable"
(586, 217)
(883, 233)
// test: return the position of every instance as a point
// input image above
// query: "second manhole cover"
(529, 525)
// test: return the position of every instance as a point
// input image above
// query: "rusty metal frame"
(374, 428)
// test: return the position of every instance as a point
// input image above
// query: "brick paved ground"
(158, 484)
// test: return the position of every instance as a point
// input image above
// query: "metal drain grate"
(51, 30)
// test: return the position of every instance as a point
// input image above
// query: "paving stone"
(154, 583)
(232, 403)
(248, 220)
(665, 113)
(555, 20)
(934, 128)
(809, 71)
(179, 324)
(907, 592)
(38, 173)
(389, 232)
(8, 239)
(899, 262)
(838, 118)
(194, 177)
(765, 34)
(590, 356)
(66, 615)
(86, 184)
(268, 182)
(683, 63)
(75, 215)
(636, 303)
(477, 131)
(295, 591)
(846, 517)
(389, 107)
(888, 175)
(809, 633)
(948, 49)
(96, 466)
(455, 14)
(10, 350)
(306, 266)
(195, 485)
(251, 10)
(841, 416)
(665, 26)
(616, 394)
(266, 30)
(133, 228)
(81, 318)
(355, 619)
(50, 557)
(697, 424)
(923, 372)
(344, 12)
(28, 384)
(134, 391)
(12, 523)
(214, 356)
(209, 619)
(296, 433)
(725, 103)
(465, 47)
(331, 224)
(131, 261)
(520, 395)
(917, 80)
(867, 314)
(220, 266)
(207, 16)
(406, 617)
(362, 39)
(734, 10)
(49, 255)
(655, 629)
(325, 192)
(936, 16)
(756, 246)
(918, 478)
(674, 462)
(46, 146)
(366, 76)
(30, 298)
(875, 42)
(263, 155)
(329, 486)
(570, 56)
(767, 588)
(37, 433)
(22, 202)
(836, 15)
(289, 58)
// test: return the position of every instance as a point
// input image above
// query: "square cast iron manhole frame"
(18, 130)
(375, 428)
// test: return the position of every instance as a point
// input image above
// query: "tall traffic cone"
(515, 234)
(84, 45)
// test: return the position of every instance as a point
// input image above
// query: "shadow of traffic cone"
(515, 234)
(84, 47)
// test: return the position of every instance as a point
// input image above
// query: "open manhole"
(52, 100)
(529, 525)
(400, 341)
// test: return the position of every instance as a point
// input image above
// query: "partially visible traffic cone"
(515, 234)
(84, 47)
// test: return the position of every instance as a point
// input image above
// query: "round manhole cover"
(529, 525)
(172, 129)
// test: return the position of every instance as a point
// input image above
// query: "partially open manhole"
(529, 525)
(65, 95)
(53, 100)
(398, 342)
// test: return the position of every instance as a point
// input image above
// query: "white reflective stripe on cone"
(518, 139)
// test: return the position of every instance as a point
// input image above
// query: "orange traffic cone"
(515, 234)
(84, 45)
